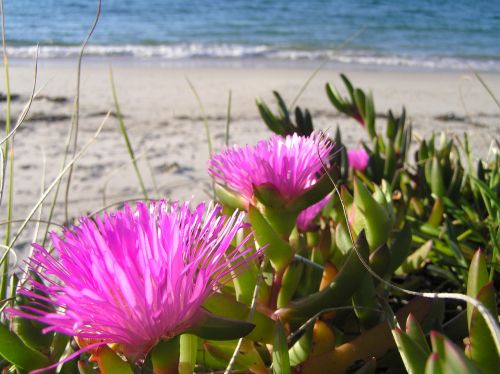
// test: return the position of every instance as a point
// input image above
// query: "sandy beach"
(166, 129)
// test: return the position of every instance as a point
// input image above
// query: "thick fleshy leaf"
(483, 348)
(314, 194)
(433, 365)
(282, 221)
(412, 354)
(380, 261)
(229, 198)
(452, 359)
(436, 216)
(269, 119)
(302, 348)
(477, 278)
(336, 99)
(15, 351)
(364, 301)
(416, 334)
(59, 344)
(417, 259)
(311, 276)
(281, 360)
(226, 306)
(269, 195)
(244, 285)
(279, 251)
(400, 248)
(375, 342)
(110, 363)
(376, 219)
(342, 238)
(212, 327)
(338, 292)
(437, 184)
(289, 283)
(247, 359)
(31, 334)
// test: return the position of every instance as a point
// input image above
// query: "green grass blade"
(228, 121)
(76, 109)
(123, 130)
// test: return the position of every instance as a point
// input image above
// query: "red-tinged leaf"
(433, 365)
(414, 357)
(451, 357)
(482, 347)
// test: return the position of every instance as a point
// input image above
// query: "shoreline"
(252, 63)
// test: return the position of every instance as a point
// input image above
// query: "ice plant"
(305, 220)
(290, 165)
(358, 159)
(136, 276)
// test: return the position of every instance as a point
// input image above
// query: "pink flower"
(305, 220)
(135, 277)
(358, 159)
(290, 164)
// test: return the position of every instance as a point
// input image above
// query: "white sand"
(163, 119)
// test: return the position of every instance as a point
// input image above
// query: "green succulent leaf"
(212, 327)
(302, 348)
(414, 331)
(380, 261)
(364, 301)
(345, 283)
(314, 194)
(412, 354)
(433, 364)
(437, 183)
(400, 248)
(229, 198)
(110, 363)
(16, 352)
(375, 217)
(281, 360)
(336, 99)
(477, 279)
(417, 259)
(483, 347)
(451, 358)
(222, 351)
(311, 276)
(290, 282)
(228, 307)
(269, 196)
(279, 251)
(269, 119)
(436, 216)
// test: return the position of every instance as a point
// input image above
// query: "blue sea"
(429, 34)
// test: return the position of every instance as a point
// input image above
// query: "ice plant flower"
(305, 220)
(358, 159)
(290, 164)
(135, 276)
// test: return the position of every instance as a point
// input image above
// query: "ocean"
(428, 34)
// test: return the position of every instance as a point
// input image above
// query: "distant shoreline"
(250, 63)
